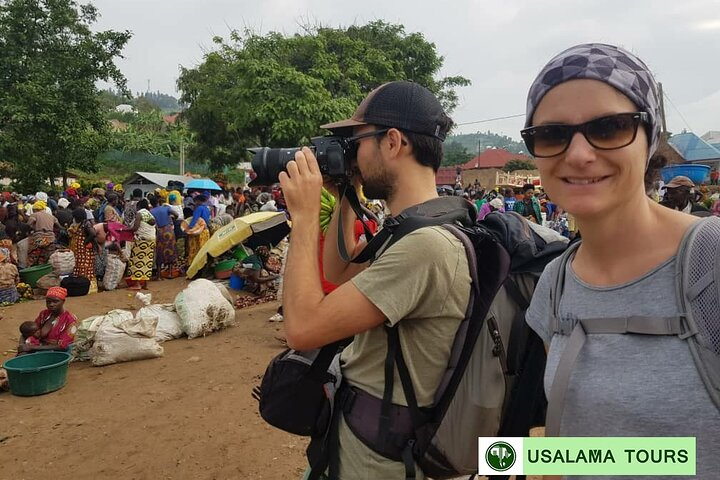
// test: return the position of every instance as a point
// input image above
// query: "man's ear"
(396, 140)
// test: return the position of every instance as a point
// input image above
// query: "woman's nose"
(580, 151)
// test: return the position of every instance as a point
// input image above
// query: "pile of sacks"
(121, 336)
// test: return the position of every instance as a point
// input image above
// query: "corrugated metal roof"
(693, 148)
(159, 179)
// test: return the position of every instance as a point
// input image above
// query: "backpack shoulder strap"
(558, 286)
(698, 293)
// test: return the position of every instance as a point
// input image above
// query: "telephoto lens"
(269, 162)
(333, 156)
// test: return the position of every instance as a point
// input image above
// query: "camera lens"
(269, 162)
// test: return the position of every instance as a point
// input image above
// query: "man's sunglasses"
(605, 133)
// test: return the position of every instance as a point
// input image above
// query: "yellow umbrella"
(268, 227)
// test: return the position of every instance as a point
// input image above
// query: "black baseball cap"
(402, 105)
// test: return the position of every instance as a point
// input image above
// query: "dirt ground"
(174, 417)
(186, 415)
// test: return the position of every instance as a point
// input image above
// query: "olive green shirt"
(424, 281)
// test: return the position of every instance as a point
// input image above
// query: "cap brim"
(349, 123)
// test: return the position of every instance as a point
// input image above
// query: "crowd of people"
(157, 234)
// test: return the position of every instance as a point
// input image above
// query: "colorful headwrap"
(39, 205)
(75, 185)
(57, 292)
(71, 192)
(608, 64)
(118, 188)
(41, 196)
(4, 255)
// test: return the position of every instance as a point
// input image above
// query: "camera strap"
(348, 191)
(434, 212)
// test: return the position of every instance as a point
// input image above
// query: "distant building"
(713, 138)
(125, 108)
(694, 149)
(149, 181)
(494, 158)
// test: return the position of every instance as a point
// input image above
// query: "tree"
(454, 153)
(149, 133)
(518, 164)
(51, 115)
(276, 90)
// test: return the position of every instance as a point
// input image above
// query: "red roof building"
(446, 175)
(493, 158)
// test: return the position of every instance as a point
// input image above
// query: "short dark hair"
(27, 329)
(528, 186)
(427, 150)
(137, 193)
(79, 214)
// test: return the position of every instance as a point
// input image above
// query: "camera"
(333, 155)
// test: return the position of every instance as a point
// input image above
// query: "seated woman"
(9, 278)
(55, 326)
(259, 271)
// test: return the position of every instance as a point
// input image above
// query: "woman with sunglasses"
(592, 124)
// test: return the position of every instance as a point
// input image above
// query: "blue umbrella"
(202, 184)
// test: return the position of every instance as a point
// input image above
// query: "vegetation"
(51, 117)
(276, 90)
(518, 164)
(479, 142)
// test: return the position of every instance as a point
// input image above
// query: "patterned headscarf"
(39, 205)
(4, 255)
(608, 64)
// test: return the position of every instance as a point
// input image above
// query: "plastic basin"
(237, 282)
(31, 275)
(225, 265)
(697, 173)
(37, 373)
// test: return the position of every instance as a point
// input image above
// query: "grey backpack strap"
(621, 325)
(558, 287)
(698, 293)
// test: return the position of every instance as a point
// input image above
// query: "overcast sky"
(499, 45)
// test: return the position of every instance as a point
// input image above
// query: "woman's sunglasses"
(605, 133)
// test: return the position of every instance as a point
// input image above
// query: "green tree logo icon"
(500, 456)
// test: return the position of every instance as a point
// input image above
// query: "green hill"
(474, 142)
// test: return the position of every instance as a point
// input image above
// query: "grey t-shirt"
(628, 385)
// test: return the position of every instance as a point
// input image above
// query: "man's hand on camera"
(301, 186)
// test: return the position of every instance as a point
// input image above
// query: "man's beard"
(379, 187)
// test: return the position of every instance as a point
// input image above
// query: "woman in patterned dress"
(142, 255)
(84, 247)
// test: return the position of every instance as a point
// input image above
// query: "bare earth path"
(175, 417)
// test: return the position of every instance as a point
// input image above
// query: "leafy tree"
(51, 116)
(276, 90)
(519, 164)
(147, 132)
(455, 153)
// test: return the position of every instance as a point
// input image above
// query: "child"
(9, 278)
(29, 333)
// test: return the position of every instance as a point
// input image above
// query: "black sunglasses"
(605, 133)
(374, 133)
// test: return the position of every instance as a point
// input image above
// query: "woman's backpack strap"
(559, 285)
(698, 293)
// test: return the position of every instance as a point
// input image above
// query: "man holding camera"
(420, 283)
